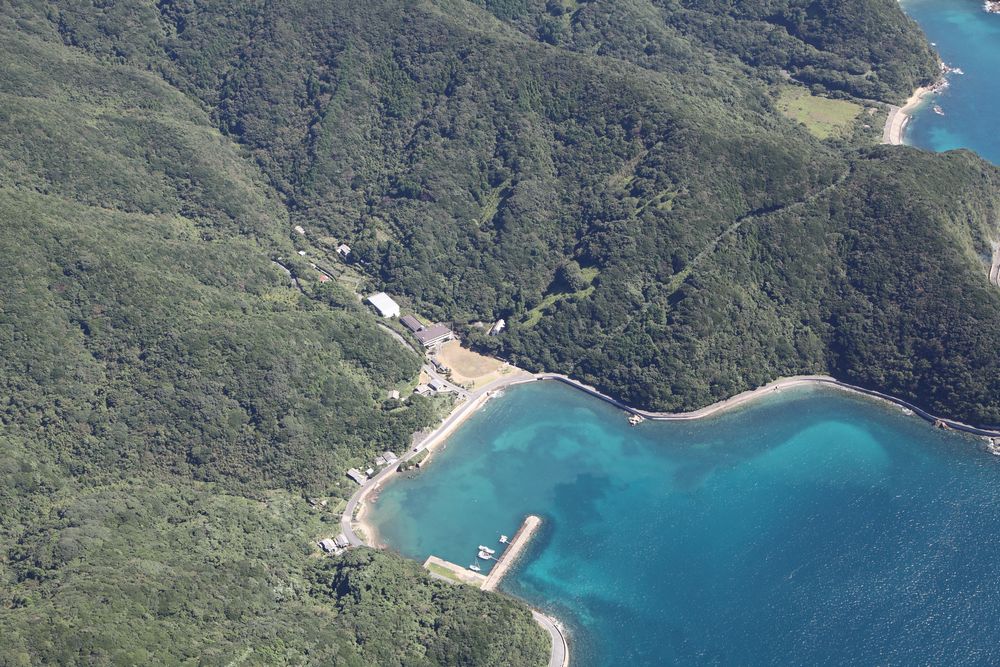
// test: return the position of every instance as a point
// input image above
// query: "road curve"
(559, 657)
(472, 402)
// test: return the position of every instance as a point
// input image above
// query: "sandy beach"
(895, 124)
(355, 514)
(368, 494)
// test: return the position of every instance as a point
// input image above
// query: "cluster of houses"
(428, 335)
(386, 458)
(334, 546)
(435, 386)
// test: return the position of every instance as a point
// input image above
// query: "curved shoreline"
(781, 383)
(354, 512)
(896, 121)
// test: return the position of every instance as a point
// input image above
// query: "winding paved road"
(560, 649)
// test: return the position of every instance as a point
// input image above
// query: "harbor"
(511, 553)
(501, 564)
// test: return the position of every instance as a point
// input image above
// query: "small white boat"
(503, 539)
(485, 556)
(475, 567)
(487, 549)
(938, 110)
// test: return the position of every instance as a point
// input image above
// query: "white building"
(300, 229)
(344, 250)
(385, 306)
(498, 327)
(328, 545)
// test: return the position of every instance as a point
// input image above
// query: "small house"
(341, 541)
(389, 457)
(344, 250)
(384, 305)
(357, 476)
(422, 390)
(328, 545)
(497, 327)
(394, 394)
(300, 230)
(437, 385)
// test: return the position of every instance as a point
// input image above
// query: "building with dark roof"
(411, 323)
(432, 335)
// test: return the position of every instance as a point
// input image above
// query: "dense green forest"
(170, 398)
(613, 178)
(474, 155)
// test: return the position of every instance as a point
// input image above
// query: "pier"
(442, 569)
(513, 550)
(446, 570)
(456, 574)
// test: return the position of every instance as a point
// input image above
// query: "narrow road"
(560, 650)
(402, 341)
(463, 394)
(470, 403)
(995, 266)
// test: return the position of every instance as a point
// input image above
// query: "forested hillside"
(613, 178)
(578, 168)
(170, 398)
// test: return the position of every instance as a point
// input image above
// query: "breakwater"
(509, 556)
(768, 535)
(777, 385)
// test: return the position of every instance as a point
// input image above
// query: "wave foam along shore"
(895, 124)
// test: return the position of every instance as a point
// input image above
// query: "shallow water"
(809, 527)
(967, 38)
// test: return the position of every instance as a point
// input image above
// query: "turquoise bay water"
(967, 38)
(811, 527)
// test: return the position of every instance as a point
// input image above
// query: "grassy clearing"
(492, 203)
(822, 116)
(533, 316)
(444, 572)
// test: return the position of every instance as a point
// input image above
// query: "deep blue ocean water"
(811, 527)
(967, 38)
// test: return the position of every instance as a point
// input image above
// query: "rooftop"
(433, 334)
(384, 304)
(411, 323)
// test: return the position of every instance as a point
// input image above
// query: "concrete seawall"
(456, 574)
(798, 380)
(509, 556)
